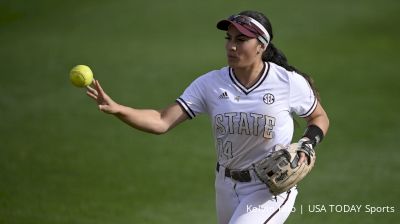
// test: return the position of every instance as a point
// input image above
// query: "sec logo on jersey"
(269, 98)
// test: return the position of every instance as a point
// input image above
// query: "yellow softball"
(81, 76)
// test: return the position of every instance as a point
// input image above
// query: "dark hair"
(273, 54)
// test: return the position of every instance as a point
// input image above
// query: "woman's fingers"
(91, 95)
(302, 159)
(92, 90)
(98, 87)
(104, 102)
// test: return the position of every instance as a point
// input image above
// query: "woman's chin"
(233, 63)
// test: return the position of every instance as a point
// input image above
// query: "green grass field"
(62, 161)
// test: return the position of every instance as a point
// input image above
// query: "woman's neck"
(249, 75)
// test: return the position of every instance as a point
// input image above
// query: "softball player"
(251, 103)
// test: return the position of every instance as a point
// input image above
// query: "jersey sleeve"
(193, 98)
(302, 99)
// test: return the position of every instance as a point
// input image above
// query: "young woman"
(251, 103)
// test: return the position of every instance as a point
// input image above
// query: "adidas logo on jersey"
(224, 95)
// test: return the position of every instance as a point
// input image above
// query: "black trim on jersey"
(183, 108)
(309, 112)
(280, 207)
(245, 90)
(186, 108)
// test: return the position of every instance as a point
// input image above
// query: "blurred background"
(62, 161)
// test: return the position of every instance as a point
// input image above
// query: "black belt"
(238, 175)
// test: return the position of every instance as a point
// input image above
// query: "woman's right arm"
(147, 120)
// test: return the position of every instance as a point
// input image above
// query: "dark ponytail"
(273, 54)
(276, 56)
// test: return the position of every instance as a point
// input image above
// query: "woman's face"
(241, 50)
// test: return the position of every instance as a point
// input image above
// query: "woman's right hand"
(104, 102)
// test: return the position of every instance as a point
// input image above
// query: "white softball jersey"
(248, 122)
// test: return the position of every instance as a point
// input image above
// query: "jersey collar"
(260, 80)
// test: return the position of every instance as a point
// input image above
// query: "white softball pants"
(250, 202)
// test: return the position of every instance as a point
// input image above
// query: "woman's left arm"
(319, 118)
(317, 122)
